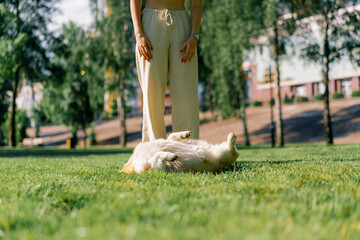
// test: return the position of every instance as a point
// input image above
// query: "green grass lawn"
(299, 192)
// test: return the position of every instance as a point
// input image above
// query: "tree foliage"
(114, 25)
(74, 94)
(23, 49)
(338, 21)
(226, 32)
(5, 86)
(343, 18)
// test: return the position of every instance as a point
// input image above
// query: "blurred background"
(272, 71)
(78, 12)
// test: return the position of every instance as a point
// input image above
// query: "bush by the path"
(319, 97)
(299, 99)
(337, 95)
(256, 103)
(355, 93)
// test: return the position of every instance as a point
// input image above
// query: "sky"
(77, 11)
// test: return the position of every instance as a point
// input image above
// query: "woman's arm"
(196, 7)
(135, 8)
(143, 44)
(189, 46)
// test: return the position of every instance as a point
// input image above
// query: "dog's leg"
(178, 136)
(129, 166)
(231, 140)
(159, 158)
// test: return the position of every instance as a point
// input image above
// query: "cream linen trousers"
(167, 31)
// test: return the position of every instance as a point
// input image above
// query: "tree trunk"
(326, 113)
(279, 122)
(243, 107)
(85, 136)
(12, 125)
(74, 138)
(121, 112)
(272, 127)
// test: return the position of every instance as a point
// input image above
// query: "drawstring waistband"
(166, 15)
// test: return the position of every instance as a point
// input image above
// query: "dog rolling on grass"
(178, 153)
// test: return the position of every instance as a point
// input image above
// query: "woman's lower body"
(167, 31)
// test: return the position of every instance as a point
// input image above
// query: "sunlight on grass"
(299, 192)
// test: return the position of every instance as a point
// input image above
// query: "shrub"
(22, 123)
(256, 103)
(319, 97)
(39, 118)
(114, 110)
(355, 93)
(299, 99)
(287, 100)
(204, 107)
(74, 137)
(271, 102)
(92, 136)
(337, 95)
(106, 116)
(3, 134)
(128, 109)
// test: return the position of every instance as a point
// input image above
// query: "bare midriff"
(166, 4)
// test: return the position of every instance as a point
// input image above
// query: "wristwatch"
(195, 35)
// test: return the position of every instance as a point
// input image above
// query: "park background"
(78, 81)
(287, 69)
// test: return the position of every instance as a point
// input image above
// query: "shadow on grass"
(239, 166)
(60, 152)
(253, 147)
(308, 126)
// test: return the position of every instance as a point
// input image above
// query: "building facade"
(298, 78)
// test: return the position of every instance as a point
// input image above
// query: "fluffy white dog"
(178, 153)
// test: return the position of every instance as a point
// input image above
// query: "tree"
(340, 30)
(117, 34)
(279, 29)
(228, 28)
(74, 96)
(22, 45)
(4, 106)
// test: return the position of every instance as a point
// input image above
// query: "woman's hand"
(144, 46)
(189, 47)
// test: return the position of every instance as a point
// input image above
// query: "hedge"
(355, 93)
(299, 99)
(319, 97)
(337, 95)
(257, 103)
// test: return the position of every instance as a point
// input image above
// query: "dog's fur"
(178, 153)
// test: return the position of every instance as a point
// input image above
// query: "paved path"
(302, 123)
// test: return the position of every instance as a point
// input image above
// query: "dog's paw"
(186, 134)
(231, 139)
(157, 162)
(171, 157)
(178, 136)
(156, 165)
